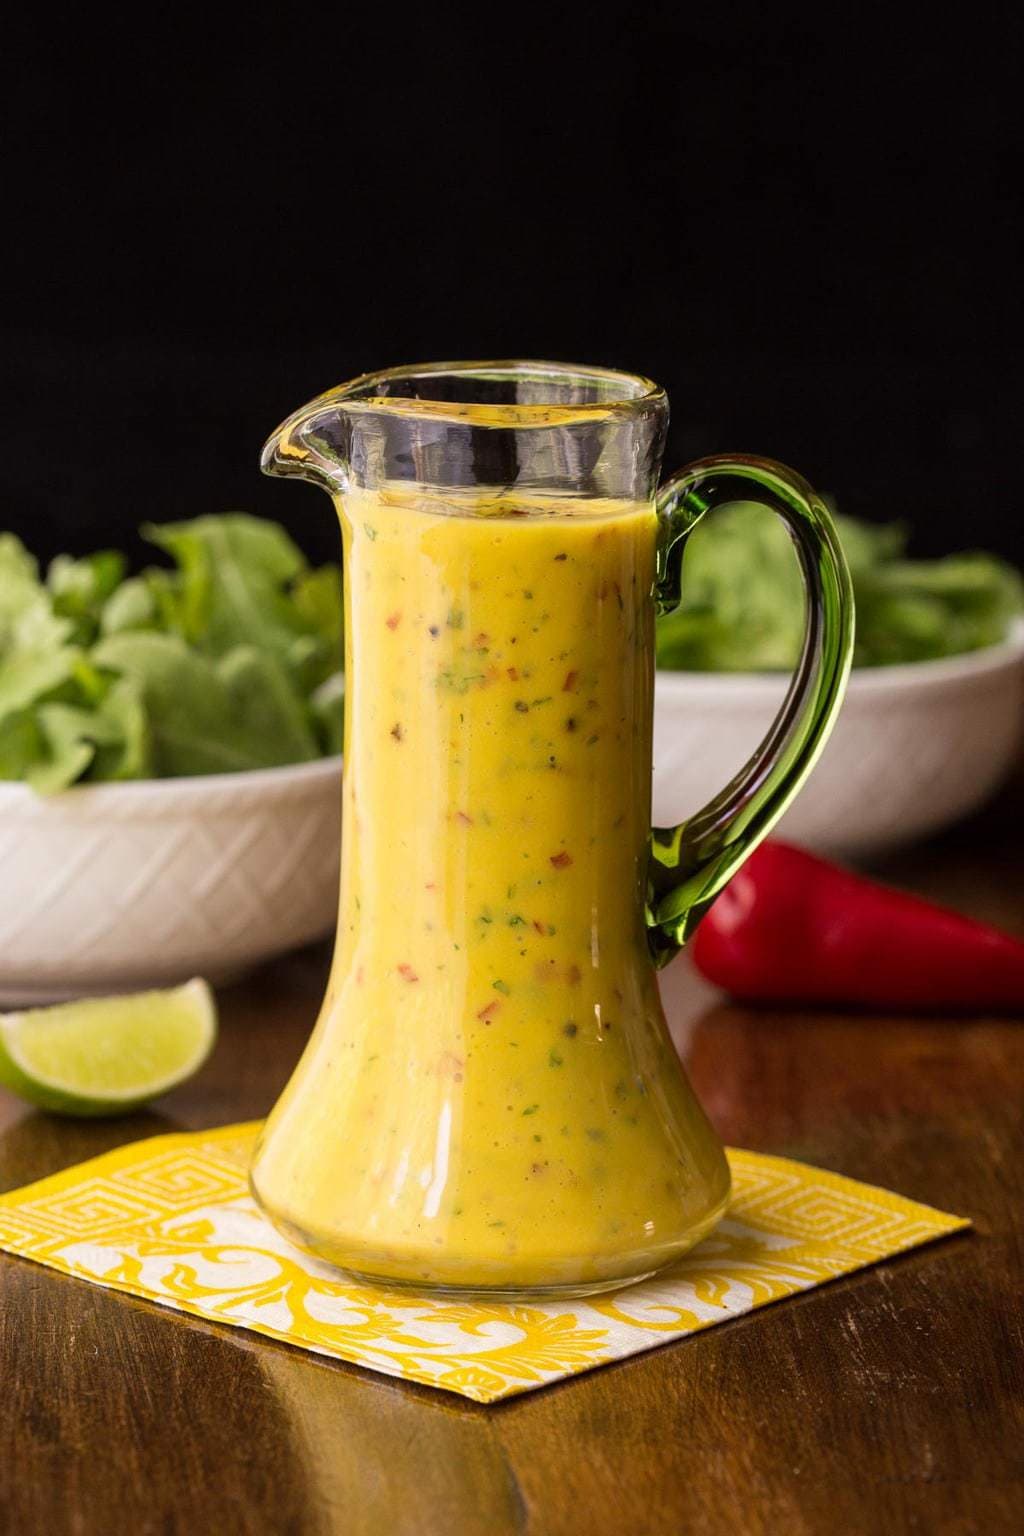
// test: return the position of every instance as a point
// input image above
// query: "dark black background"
(809, 233)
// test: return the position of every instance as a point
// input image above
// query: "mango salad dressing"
(491, 1086)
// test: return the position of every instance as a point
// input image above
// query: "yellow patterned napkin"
(171, 1219)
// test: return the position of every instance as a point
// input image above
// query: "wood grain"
(890, 1402)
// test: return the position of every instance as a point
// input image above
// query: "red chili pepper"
(792, 928)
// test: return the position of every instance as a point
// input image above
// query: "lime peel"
(107, 1055)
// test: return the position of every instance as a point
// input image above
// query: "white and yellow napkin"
(171, 1219)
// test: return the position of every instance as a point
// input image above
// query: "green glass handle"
(692, 862)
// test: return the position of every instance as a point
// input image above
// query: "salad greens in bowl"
(931, 721)
(228, 660)
(743, 611)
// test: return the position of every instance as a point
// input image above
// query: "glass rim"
(628, 393)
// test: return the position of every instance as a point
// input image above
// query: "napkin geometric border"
(171, 1220)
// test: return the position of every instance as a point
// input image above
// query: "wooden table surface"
(891, 1401)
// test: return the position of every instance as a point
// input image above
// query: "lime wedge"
(106, 1055)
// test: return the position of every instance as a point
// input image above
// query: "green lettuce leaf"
(71, 736)
(127, 750)
(267, 703)
(208, 667)
(205, 716)
(133, 605)
(320, 652)
(22, 744)
(55, 744)
(233, 575)
(743, 605)
(20, 588)
(79, 589)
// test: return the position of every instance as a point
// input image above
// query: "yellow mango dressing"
(490, 1098)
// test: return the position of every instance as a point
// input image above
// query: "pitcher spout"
(312, 444)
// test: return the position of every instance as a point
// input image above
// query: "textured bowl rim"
(865, 682)
(152, 793)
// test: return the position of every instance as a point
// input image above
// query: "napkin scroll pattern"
(171, 1219)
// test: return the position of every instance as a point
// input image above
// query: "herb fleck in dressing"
(496, 815)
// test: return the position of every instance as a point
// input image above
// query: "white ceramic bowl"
(915, 747)
(113, 886)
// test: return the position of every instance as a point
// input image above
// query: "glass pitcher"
(490, 1101)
